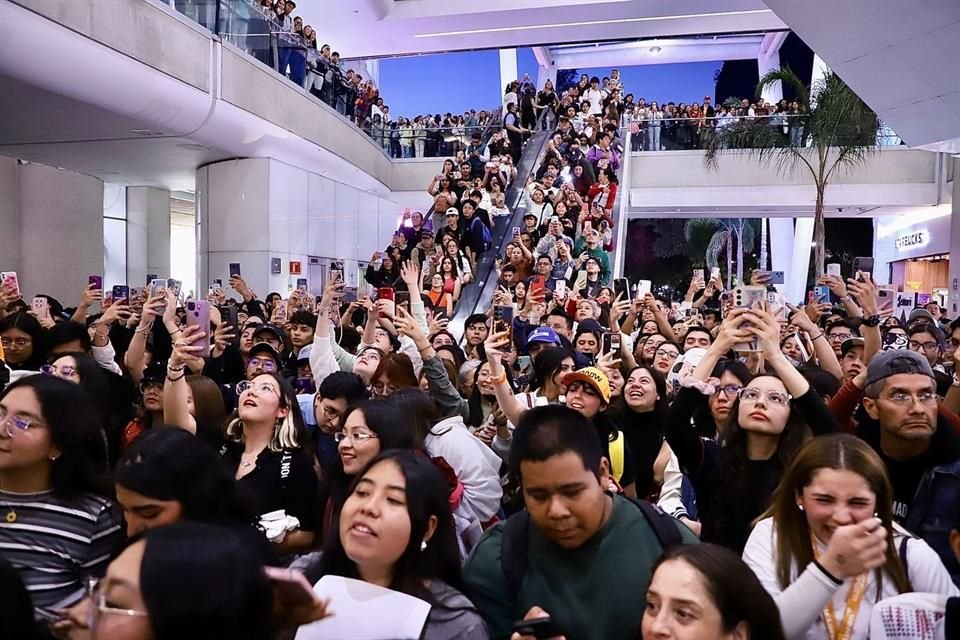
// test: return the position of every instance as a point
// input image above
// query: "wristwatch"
(872, 321)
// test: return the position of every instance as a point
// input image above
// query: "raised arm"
(826, 357)
(175, 389)
(508, 403)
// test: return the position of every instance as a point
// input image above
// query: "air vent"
(146, 133)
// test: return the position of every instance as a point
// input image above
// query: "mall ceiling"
(378, 28)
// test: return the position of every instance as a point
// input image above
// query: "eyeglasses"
(840, 337)
(929, 347)
(147, 386)
(98, 600)
(355, 438)
(380, 389)
(60, 372)
(267, 364)
(19, 343)
(729, 390)
(926, 398)
(773, 397)
(14, 425)
(263, 387)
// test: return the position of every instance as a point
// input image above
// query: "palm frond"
(718, 244)
(763, 143)
(785, 75)
(697, 226)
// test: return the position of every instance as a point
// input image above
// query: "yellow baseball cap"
(592, 376)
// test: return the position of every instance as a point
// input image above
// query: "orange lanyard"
(850, 608)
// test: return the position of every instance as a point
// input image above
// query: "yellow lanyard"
(850, 608)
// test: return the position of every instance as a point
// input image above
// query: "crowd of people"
(583, 460)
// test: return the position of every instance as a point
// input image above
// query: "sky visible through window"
(454, 82)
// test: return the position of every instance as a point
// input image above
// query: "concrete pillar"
(953, 288)
(52, 228)
(820, 69)
(148, 233)
(771, 93)
(508, 67)
(800, 265)
(372, 68)
(260, 212)
(781, 252)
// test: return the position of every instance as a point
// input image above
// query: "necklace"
(11, 515)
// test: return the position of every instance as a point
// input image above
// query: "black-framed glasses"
(729, 390)
(929, 347)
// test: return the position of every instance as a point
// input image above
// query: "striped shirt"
(56, 543)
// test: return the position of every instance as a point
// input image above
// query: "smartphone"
(217, 285)
(157, 286)
(745, 297)
(386, 293)
(525, 364)
(540, 628)
(621, 288)
(581, 280)
(714, 273)
(777, 304)
(503, 321)
(281, 310)
(538, 286)
(10, 281)
(150, 278)
(198, 315)
(560, 289)
(96, 281)
(174, 285)
(611, 342)
(833, 269)
(821, 292)
(776, 277)
(698, 274)
(402, 299)
(230, 316)
(886, 301)
(643, 288)
(234, 269)
(305, 385)
(516, 232)
(40, 307)
(862, 263)
(121, 292)
(302, 284)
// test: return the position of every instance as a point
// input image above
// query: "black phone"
(540, 628)
(150, 278)
(121, 292)
(611, 342)
(862, 264)
(621, 287)
(503, 321)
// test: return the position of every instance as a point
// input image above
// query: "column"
(508, 68)
(820, 69)
(781, 254)
(953, 287)
(263, 213)
(772, 93)
(800, 265)
(148, 233)
(52, 223)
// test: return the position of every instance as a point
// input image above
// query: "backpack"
(935, 513)
(516, 540)
(484, 233)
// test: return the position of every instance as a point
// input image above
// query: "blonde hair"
(284, 433)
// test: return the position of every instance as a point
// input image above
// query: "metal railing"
(403, 141)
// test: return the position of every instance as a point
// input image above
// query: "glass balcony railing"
(660, 133)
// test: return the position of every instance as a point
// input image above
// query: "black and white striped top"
(56, 543)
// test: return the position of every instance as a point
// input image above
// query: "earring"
(800, 506)
(423, 546)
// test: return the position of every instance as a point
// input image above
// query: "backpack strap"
(903, 556)
(663, 525)
(513, 551)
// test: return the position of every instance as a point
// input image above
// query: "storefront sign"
(912, 240)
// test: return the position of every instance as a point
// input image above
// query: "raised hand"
(186, 348)
(866, 293)
(222, 338)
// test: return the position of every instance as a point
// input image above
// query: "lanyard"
(850, 608)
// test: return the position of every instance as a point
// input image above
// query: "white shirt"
(476, 465)
(801, 603)
(595, 98)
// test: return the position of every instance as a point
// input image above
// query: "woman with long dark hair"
(57, 523)
(24, 342)
(706, 591)
(395, 530)
(771, 418)
(828, 546)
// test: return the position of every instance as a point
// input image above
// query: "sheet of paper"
(364, 611)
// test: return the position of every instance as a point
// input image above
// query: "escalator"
(477, 296)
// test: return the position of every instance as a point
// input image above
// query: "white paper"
(364, 611)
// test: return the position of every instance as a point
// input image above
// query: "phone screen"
(503, 321)
(621, 288)
(234, 269)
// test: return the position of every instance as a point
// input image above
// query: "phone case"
(643, 288)
(96, 281)
(10, 281)
(235, 269)
(198, 315)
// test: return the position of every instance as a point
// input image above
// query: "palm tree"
(727, 234)
(839, 133)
